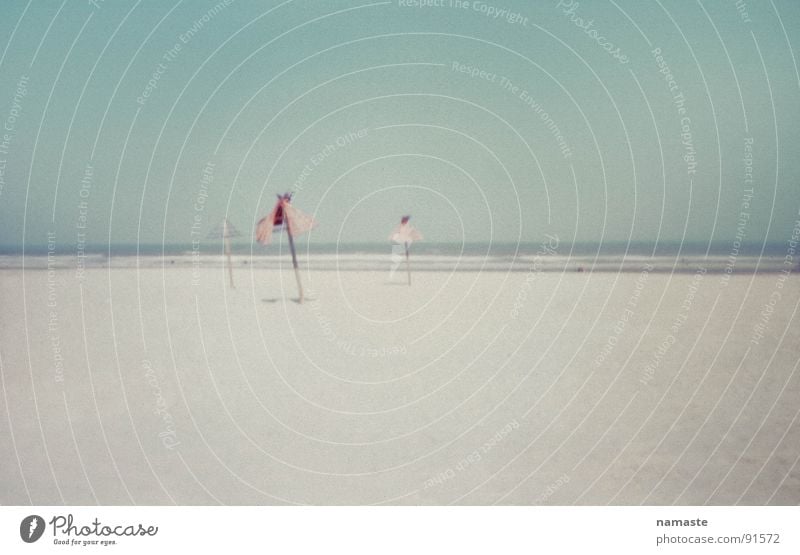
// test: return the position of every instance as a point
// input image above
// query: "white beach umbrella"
(405, 234)
(225, 230)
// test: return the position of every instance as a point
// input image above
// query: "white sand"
(373, 392)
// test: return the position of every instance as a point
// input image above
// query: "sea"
(551, 254)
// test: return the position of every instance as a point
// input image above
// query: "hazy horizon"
(496, 248)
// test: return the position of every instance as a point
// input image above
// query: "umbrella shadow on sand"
(275, 300)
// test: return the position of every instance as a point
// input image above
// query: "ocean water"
(562, 247)
(550, 255)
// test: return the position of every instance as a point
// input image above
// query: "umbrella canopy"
(283, 213)
(405, 232)
(224, 230)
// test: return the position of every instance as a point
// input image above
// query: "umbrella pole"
(294, 263)
(408, 266)
(230, 264)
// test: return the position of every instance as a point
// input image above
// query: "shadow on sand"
(296, 300)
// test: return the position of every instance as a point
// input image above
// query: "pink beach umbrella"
(285, 216)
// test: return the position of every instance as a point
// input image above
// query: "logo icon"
(31, 528)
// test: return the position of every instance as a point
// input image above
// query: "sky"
(597, 121)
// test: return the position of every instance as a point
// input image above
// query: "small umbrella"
(285, 216)
(225, 230)
(405, 234)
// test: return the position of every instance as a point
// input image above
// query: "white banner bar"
(399, 530)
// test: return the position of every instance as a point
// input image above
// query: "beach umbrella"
(284, 216)
(405, 234)
(225, 230)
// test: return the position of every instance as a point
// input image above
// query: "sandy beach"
(161, 385)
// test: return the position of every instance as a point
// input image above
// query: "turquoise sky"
(134, 121)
